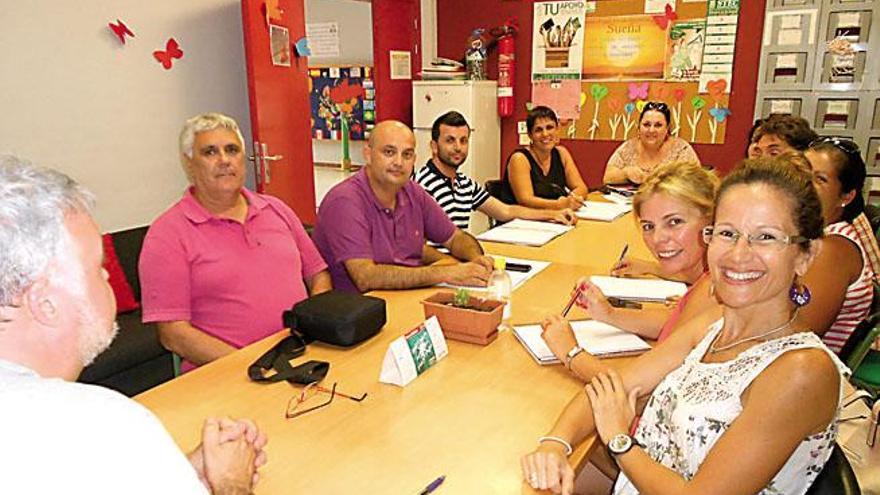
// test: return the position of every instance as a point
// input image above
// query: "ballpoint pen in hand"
(623, 253)
(574, 296)
(433, 485)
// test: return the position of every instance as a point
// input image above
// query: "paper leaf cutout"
(664, 19)
(716, 89)
(720, 114)
(273, 11)
(698, 102)
(599, 91)
(120, 30)
(629, 107)
(302, 47)
(172, 51)
(638, 90)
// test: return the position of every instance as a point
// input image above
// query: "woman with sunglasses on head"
(841, 280)
(749, 405)
(543, 174)
(672, 207)
(634, 160)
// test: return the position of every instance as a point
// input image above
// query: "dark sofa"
(135, 360)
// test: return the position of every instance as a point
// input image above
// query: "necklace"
(713, 349)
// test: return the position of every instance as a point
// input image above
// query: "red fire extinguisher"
(506, 67)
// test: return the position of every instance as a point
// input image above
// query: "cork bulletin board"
(597, 63)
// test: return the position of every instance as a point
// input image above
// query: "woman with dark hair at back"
(636, 158)
(843, 274)
(543, 174)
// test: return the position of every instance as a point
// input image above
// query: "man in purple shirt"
(372, 227)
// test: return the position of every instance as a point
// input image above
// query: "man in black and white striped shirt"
(458, 194)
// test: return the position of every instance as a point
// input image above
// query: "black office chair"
(837, 477)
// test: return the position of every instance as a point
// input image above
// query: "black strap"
(278, 358)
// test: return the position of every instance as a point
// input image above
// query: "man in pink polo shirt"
(219, 267)
(372, 227)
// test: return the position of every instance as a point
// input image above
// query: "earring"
(800, 294)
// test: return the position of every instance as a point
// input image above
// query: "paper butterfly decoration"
(302, 47)
(120, 30)
(668, 15)
(172, 51)
(719, 113)
(273, 11)
(638, 90)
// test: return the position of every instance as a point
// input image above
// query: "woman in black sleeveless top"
(543, 174)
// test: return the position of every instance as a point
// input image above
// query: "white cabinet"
(476, 100)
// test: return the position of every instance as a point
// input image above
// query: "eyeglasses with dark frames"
(311, 390)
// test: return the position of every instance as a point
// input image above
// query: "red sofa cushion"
(125, 300)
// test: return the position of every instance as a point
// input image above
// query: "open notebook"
(639, 289)
(525, 232)
(601, 211)
(517, 277)
(597, 338)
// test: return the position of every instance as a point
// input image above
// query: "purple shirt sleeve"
(438, 227)
(164, 276)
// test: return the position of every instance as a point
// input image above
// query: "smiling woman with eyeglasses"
(655, 145)
(843, 272)
(749, 405)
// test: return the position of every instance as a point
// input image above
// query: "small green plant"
(462, 298)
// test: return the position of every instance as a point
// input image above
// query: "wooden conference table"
(470, 417)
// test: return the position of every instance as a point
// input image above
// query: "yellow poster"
(623, 48)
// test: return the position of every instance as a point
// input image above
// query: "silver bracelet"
(568, 449)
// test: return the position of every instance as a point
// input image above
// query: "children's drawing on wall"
(684, 54)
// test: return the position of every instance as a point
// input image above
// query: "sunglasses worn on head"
(845, 145)
(656, 105)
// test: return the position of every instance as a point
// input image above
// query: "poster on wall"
(338, 93)
(684, 50)
(721, 25)
(624, 48)
(558, 39)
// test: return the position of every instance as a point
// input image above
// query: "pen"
(623, 252)
(571, 301)
(433, 485)
(518, 267)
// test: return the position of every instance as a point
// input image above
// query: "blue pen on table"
(433, 485)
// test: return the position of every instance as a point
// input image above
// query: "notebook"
(517, 278)
(639, 289)
(525, 232)
(597, 338)
(603, 212)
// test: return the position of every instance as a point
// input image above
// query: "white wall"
(109, 115)
(355, 20)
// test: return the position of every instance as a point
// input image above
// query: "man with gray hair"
(56, 315)
(219, 267)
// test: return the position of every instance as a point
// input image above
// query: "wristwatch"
(571, 355)
(620, 444)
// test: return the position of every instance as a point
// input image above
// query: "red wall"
(393, 29)
(457, 18)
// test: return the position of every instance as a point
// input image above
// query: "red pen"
(574, 296)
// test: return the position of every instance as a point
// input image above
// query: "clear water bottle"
(500, 287)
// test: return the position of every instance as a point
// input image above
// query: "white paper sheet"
(603, 212)
(639, 289)
(597, 338)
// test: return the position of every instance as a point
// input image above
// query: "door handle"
(256, 158)
(264, 152)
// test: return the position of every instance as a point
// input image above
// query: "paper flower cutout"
(599, 91)
(629, 107)
(719, 113)
(614, 104)
(273, 11)
(120, 30)
(583, 99)
(640, 105)
(716, 89)
(301, 47)
(678, 94)
(172, 51)
(698, 102)
(638, 90)
(664, 19)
